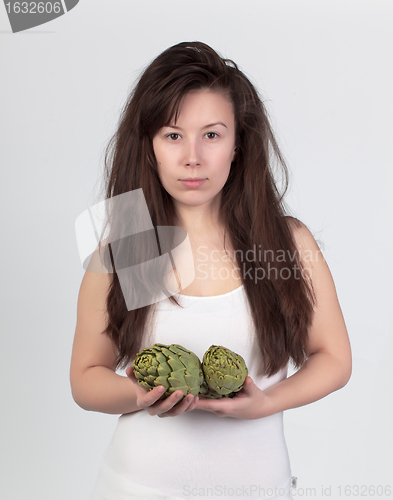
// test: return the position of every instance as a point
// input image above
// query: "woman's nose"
(192, 153)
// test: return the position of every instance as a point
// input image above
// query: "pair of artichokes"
(221, 374)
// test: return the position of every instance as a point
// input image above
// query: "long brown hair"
(252, 208)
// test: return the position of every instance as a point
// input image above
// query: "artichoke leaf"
(163, 370)
(176, 364)
(162, 381)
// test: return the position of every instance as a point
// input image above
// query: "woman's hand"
(166, 408)
(249, 403)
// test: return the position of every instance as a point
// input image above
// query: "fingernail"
(161, 390)
(178, 396)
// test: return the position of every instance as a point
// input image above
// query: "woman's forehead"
(201, 104)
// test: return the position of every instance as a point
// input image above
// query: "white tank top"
(197, 454)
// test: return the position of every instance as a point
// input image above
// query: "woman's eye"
(173, 136)
(211, 135)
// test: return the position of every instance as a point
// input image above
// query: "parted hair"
(252, 208)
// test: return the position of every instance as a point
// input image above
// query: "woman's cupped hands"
(249, 403)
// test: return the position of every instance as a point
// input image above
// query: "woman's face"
(201, 145)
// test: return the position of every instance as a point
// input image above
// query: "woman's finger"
(193, 404)
(221, 406)
(187, 404)
(147, 399)
(166, 404)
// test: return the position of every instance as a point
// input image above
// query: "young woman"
(262, 289)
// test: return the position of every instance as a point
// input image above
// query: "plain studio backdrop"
(324, 71)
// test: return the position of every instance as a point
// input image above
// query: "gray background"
(324, 68)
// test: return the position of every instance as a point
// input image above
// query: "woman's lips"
(194, 184)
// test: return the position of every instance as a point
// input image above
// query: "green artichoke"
(172, 366)
(224, 371)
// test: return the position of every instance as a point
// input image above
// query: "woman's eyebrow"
(206, 126)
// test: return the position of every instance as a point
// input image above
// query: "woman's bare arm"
(95, 385)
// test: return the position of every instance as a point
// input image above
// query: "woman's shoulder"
(297, 227)
(294, 222)
(303, 237)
